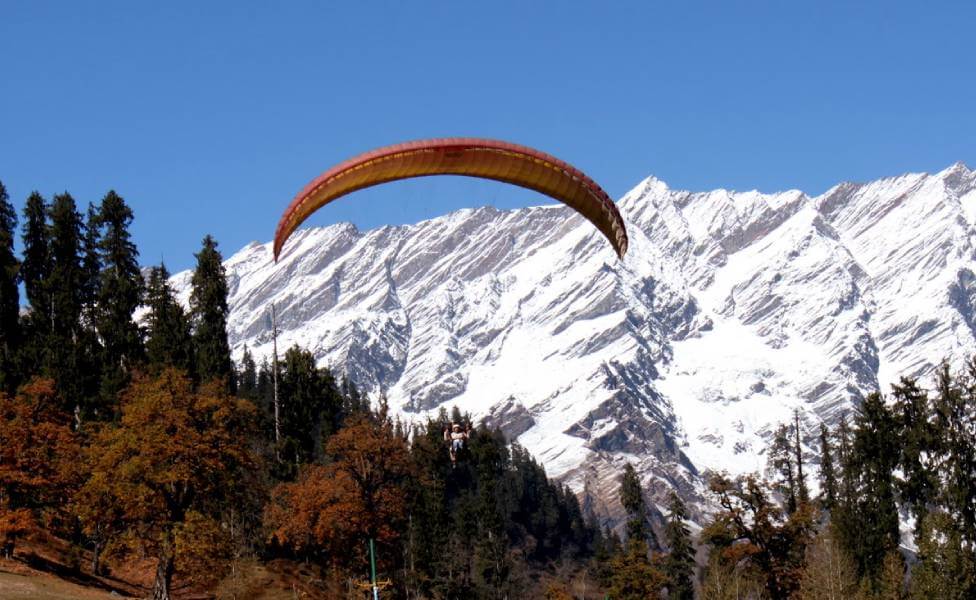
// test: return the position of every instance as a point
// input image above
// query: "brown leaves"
(39, 456)
(164, 471)
(360, 494)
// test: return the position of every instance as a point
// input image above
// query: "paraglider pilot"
(456, 437)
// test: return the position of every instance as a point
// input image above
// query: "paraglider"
(471, 157)
(457, 438)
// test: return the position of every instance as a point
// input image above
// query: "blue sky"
(209, 116)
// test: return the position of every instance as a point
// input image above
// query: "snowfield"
(730, 310)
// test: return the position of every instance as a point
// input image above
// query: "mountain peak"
(724, 318)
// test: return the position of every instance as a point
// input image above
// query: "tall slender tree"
(632, 498)
(876, 456)
(679, 565)
(828, 478)
(65, 285)
(955, 420)
(9, 295)
(168, 341)
(208, 309)
(781, 460)
(916, 443)
(119, 294)
(91, 266)
(247, 378)
(802, 494)
(34, 273)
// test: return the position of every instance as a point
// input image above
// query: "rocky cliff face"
(730, 310)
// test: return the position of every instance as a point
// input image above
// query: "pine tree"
(34, 273)
(633, 576)
(65, 286)
(946, 567)
(89, 344)
(168, 341)
(802, 494)
(91, 266)
(9, 296)
(875, 453)
(632, 499)
(780, 463)
(247, 377)
(679, 565)
(209, 310)
(828, 479)
(119, 294)
(37, 258)
(955, 421)
(303, 410)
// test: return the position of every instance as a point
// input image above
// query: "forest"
(136, 453)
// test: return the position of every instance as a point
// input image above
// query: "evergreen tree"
(802, 494)
(37, 259)
(168, 342)
(208, 310)
(34, 273)
(632, 499)
(119, 294)
(91, 266)
(9, 296)
(955, 421)
(876, 456)
(679, 565)
(828, 479)
(780, 463)
(65, 286)
(917, 444)
(247, 378)
(89, 345)
(946, 567)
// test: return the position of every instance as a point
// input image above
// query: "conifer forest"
(137, 457)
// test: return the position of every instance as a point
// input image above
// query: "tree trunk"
(96, 556)
(164, 574)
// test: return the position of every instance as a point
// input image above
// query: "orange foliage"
(160, 475)
(39, 455)
(360, 494)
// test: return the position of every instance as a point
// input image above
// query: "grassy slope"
(43, 586)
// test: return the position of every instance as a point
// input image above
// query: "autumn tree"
(38, 457)
(175, 459)
(332, 511)
(829, 573)
(751, 531)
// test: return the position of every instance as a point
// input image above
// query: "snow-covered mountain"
(730, 310)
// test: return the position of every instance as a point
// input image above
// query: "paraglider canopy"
(472, 157)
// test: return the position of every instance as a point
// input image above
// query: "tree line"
(143, 440)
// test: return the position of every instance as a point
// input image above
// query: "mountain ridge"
(730, 310)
